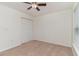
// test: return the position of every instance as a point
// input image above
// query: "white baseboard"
(13, 46)
(56, 43)
(9, 47)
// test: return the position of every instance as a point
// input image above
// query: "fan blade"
(37, 8)
(29, 7)
(42, 4)
(27, 2)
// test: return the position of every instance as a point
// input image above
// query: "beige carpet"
(38, 48)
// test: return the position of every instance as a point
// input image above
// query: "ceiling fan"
(35, 5)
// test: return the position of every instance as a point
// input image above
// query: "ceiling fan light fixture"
(34, 5)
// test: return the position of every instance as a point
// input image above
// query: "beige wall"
(55, 28)
(13, 29)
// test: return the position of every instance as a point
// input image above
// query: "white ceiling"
(51, 7)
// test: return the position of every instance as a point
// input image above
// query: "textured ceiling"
(51, 7)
